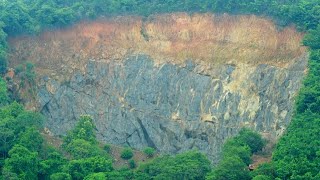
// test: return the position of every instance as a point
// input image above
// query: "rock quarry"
(173, 82)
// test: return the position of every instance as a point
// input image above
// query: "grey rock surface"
(173, 108)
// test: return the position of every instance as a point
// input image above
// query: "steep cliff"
(173, 82)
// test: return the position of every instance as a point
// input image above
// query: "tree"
(7, 138)
(266, 169)
(60, 176)
(22, 162)
(3, 49)
(83, 130)
(312, 39)
(231, 149)
(11, 111)
(81, 168)
(4, 98)
(52, 164)
(231, 168)
(80, 148)
(251, 139)
(27, 119)
(31, 139)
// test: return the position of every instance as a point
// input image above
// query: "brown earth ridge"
(207, 39)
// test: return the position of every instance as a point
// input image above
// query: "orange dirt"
(206, 38)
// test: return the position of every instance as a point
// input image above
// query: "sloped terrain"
(173, 82)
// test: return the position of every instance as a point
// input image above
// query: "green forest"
(24, 154)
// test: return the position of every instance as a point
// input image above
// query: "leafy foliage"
(96, 176)
(31, 139)
(60, 176)
(250, 138)
(16, 127)
(52, 166)
(149, 151)
(230, 168)
(126, 153)
(81, 168)
(22, 162)
(132, 164)
(80, 148)
(84, 130)
(236, 157)
(189, 165)
(4, 98)
(297, 153)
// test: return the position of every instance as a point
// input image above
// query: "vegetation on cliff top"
(25, 155)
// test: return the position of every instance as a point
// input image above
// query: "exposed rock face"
(151, 95)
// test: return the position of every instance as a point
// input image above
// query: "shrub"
(127, 153)
(132, 163)
(149, 151)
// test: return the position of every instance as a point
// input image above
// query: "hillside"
(211, 90)
(173, 82)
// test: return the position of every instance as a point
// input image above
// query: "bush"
(127, 153)
(107, 148)
(149, 151)
(132, 163)
(251, 139)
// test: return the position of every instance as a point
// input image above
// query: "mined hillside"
(174, 82)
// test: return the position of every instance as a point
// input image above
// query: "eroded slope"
(174, 82)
